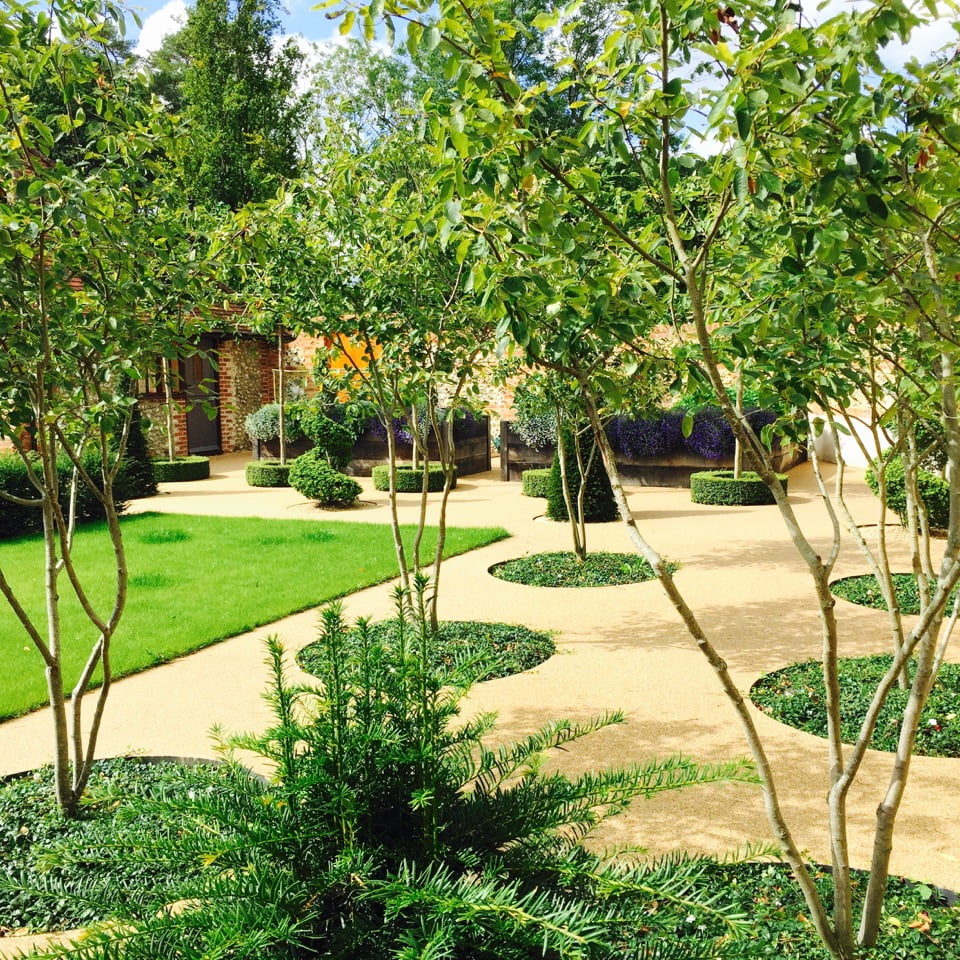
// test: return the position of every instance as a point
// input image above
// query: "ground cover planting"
(865, 591)
(196, 580)
(564, 569)
(485, 650)
(796, 696)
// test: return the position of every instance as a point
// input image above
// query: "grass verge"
(193, 581)
(796, 696)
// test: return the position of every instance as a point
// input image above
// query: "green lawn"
(194, 581)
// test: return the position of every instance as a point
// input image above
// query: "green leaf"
(791, 265)
(741, 184)
(865, 157)
(431, 39)
(346, 24)
(686, 427)
(744, 119)
(876, 206)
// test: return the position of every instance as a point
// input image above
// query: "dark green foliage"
(484, 650)
(865, 591)
(934, 492)
(919, 922)
(410, 479)
(567, 570)
(795, 696)
(598, 503)
(535, 482)
(138, 475)
(239, 101)
(392, 829)
(16, 520)
(311, 475)
(720, 488)
(32, 830)
(268, 473)
(182, 469)
(334, 440)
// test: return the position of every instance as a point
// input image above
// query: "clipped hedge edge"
(720, 488)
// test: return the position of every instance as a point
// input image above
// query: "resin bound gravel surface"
(619, 647)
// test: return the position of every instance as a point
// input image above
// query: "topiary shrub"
(182, 469)
(934, 492)
(535, 482)
(268, 473)
(334, 440)
(410, 479)
(598, 503)
(720, 488)
(312, 476)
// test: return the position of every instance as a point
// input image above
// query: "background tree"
(86, 244)
(239, 102)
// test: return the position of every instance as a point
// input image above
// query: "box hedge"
(721, 488)
(598, 503)
(410, 479)
(268, 473)
(536, 482)
(182, 469)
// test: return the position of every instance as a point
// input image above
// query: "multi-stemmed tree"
(88, 252)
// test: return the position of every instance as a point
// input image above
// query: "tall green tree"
(240, 102)
(92, 240)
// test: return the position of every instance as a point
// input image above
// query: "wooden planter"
(672, 470)
(471, 439)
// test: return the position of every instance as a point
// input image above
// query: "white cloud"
(168, 19)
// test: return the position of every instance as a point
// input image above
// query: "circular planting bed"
(181, 469)
(565, 570)
(865, 591)
(39, 849)
(492, 649)
(796, 696)
(722, 488)
(410, 479)
(268, 473)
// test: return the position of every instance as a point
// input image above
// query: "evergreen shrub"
(182, 469)
(410, 479)
(16, 520)
(536, 482)
(720, 488)
(334, 440)
(598, 503)
(268, 473)
(934, 492)
(311, 475)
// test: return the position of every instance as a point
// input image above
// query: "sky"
(163, 16)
